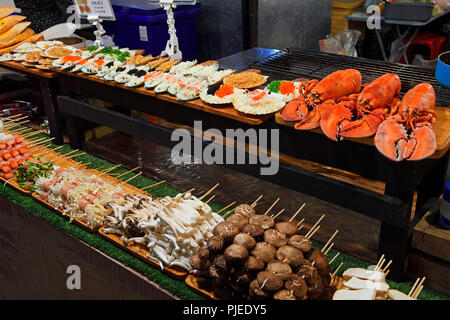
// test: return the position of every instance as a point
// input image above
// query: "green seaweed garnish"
(273, 86)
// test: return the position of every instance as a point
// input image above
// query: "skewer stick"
(414, 294)
(328, 249)
(334, 258)
(315, 225)
(300, 222)
(312, 233)
(337, 269)
(300, 228)
(75, 155)
(210, 198)
(32, 133)
(63, 155)
(270, 208)
(121, 175)
(413, 287)
(226, 214)
(208, 192)
(256, 201)
(43, 141)
(418, 292)
(298, 211)
(154, 185)
(109, 170)
(280, 212)
(225, 208)
(387, 272)
(135, 176)
(387, 266)
(329, 240)
(21, 130)
(190, 190)
(14, 124)
(378, 263)
(11, 117)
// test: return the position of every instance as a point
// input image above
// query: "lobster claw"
(393, 141)
(295, 110)
(364, 127)
(312, 119)
(331, 120)
(421, 145)
(390, 138)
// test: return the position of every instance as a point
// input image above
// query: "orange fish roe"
(286, 87)
(256, 95)
(83, 62)
(98, 63)
(224, 90)
(70, 58)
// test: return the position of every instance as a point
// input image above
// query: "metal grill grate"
(294, 63)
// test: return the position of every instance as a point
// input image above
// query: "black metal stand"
(393, 208)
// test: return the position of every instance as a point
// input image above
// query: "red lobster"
(359, 115)
(409, 134)
(319, 96)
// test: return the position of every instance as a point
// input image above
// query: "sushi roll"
(191, 91)
(164, 85)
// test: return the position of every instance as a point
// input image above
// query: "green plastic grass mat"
(176, 287)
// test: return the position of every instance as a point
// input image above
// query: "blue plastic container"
(443, 70)
(147, 29)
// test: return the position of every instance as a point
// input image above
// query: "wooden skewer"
(270, 208)
(14, 117)
(126, 181)
(14, 124)
(225, 208)
(378, 263)
(300, 222)
(109, 170)
(210, 198)
(334, 258)
(298, 211)
(413, 287)
(414, 294)
(11, 117)
(75, 155)
(30, 141)
(209, 191)
(328, 249)
(280, 212)
(386, 274)
(43, 141)
(226, 214)
(337, 269)
(312, 233)
(154, 185)
(256, 201)
(300, 228)
(21, 130)
(121, 175)
(381, 264)
(62, 156)
(32, 133)
(387, 266)
(190, 190)
(315, 225)
(329, 240)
